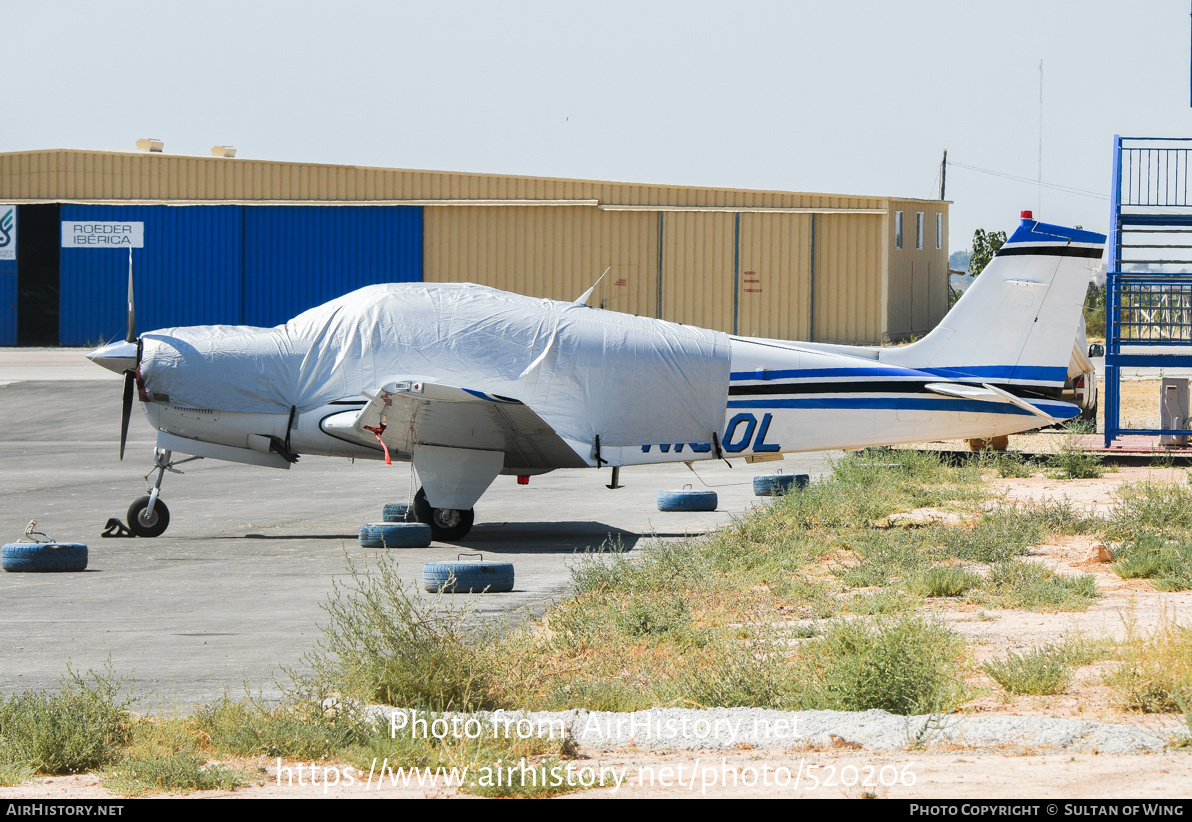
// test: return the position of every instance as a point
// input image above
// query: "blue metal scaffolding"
(1149, 285)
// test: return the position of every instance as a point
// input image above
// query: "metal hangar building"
(255, 242)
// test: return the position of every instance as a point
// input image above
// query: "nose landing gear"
(148, 516)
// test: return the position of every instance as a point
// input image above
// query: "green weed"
(942, 581)
(1150, 507)
(1011, 464)
(750, 674)
(1155, 674)
(602, 694)
(82, 726)
(384, 643)
(999, 535)
(1078, 649)
(1027, 586)
(13, 773)
(1073, 460)
(1150, 556)
(881, 602)
(904, 665)
(180, 771)
(1043, 671)
(482, 749)
(299, 729)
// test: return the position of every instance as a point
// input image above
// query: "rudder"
(1017, 322)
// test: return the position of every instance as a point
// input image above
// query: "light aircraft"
(468, 382)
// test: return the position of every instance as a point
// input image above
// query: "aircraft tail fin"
(1016, 324)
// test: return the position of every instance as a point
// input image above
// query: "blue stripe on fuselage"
(1050, 374)
(789, 373)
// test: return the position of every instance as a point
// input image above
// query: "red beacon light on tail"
(1026, 215)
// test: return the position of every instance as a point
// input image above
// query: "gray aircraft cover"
(585, 371)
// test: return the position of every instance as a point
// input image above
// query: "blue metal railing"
(1149, 278)
(1152, 310)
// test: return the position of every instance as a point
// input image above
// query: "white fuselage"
(781, 398)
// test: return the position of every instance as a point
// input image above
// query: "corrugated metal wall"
(188, 273)
(774, 285)
(297, 257)
(548, 251)
(849, 277)
(918, 278)
(749, 271)
(247, 265)
(698, 268)
(8, 302)
(67, 174)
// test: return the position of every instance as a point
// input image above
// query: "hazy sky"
(847, 97)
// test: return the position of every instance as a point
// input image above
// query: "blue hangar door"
(236, 265)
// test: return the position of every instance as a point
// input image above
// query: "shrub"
(997, 536)
(300, 729)
(905, 666)
(177, 771)
(1041, 672)
(1073, 462)
(1150, 507)
(1156, 671)
(384, 643)
(1150, 556)
(82, 726)
(1013, 584)
(942, 581)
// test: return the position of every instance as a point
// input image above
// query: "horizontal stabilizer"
(987, 393)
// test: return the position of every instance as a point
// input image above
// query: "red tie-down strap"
(377, 432)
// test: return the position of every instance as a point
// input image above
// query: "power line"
(1068, 189)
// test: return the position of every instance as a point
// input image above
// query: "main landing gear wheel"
(153, 525)
(446, 524)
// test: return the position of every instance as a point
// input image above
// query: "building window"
(898, 229)
(939, 230)
(919, 229)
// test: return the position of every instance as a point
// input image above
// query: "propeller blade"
(126, 410)
(132, 312)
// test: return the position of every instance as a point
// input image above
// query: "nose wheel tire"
(153, 525)
(446, 524)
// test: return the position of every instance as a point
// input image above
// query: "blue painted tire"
(395, 535)
(687, 500)
(468, 577)
(396, 512)
(777, 484)
(44, 556)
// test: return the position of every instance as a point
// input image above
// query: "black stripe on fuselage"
(1049, 251)
(875, 387)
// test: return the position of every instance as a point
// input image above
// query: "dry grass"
(1155, 675)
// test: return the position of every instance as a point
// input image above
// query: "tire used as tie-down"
(773, 485)
(468, 577)
(43, 556)
(395, 535)
(687, 500)
(396, 512)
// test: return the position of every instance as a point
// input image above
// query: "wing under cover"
(411, 412)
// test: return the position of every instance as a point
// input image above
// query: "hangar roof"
(74, 175)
